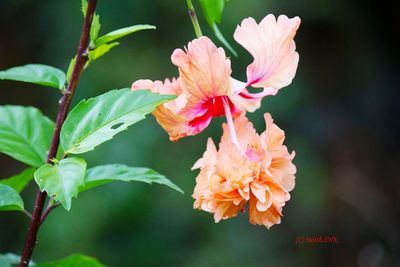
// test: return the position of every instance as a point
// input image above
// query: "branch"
(81, 59)
(49, 208)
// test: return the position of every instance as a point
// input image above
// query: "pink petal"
(204, 70)
(168, 114)
(271, 44)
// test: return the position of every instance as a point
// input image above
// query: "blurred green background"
(340, 115)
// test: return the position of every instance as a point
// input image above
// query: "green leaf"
(212, 10)
(12, 260)
(20, 181)
(117, 172)
(84, 6)
(100, 51)
(71, 68)
(9, 260)
(62, 180)
(36, 73)
(25, 134)
(114, 35)
(222, 39)
(10, 199)
(95, 27)
(75, 260)
(98, 119)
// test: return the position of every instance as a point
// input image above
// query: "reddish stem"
(49, 208)
(81, 59)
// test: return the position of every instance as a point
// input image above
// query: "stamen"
(229, 120)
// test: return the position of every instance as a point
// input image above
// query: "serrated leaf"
(84, 6)
(62, 180)
(117, 172)
(114, 35)
(75, 260)
(10, 199)
(98, 119)
(25, 134)
(222, 39)
(19, 181)
(37, 74)
(95, 27)
(101, 50)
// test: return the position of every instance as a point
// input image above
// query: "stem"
(229, 120)
(193, 17)
(65, 101)
(47, 211)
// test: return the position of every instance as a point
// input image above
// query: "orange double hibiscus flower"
(247, 167)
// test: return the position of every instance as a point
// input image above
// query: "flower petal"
(209, 158)
(245, 133)
(168, 114)
(281, 167)
(269, 212)
(204, 70)
(271, 44)
(222, 186)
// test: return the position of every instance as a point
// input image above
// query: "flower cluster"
(247, 168)
(260, 171)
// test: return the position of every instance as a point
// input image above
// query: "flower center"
(213, 107)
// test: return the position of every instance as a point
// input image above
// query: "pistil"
(229, 120)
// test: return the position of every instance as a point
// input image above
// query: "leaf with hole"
(62, 180)
(19, 181)
(37, 74)
(117, 172)
(114, 35)
(98, 119)
(10, 199)
(25, 134)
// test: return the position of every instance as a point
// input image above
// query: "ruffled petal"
(281, 167)
(271, 44)
(223, 184)
(204, 70)
(168, 115)
(209, 158)
(266, 203)
(245, 132)
(274, 136)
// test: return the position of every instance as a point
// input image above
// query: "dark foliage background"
(340, 115)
